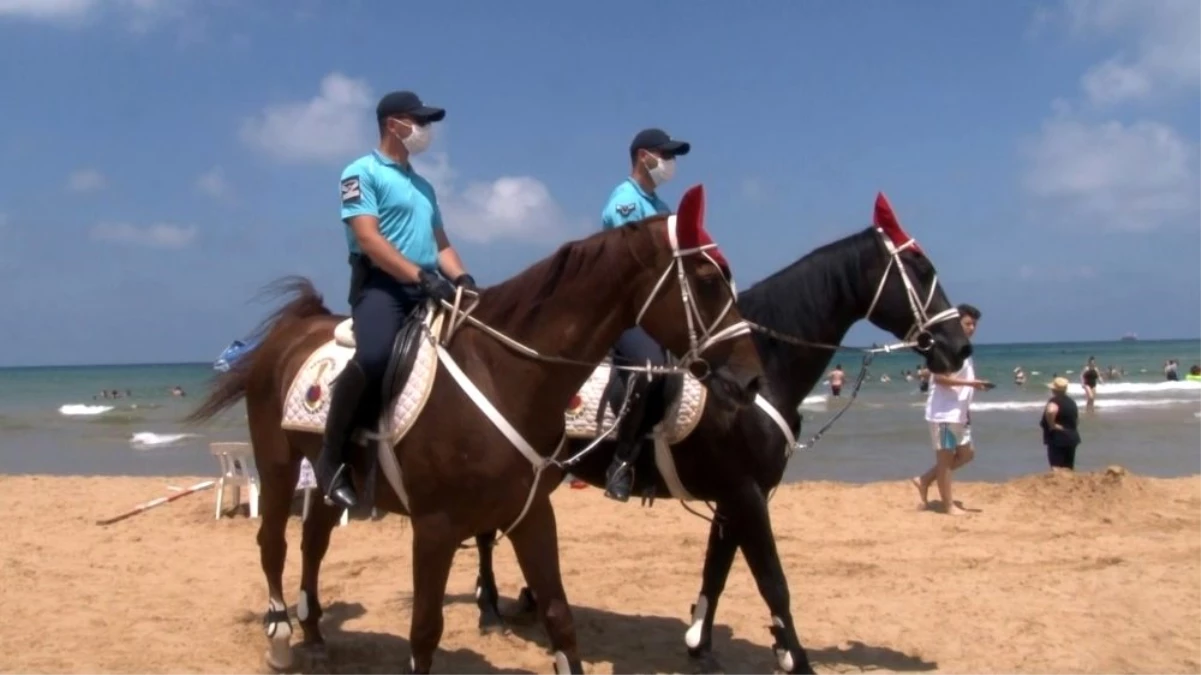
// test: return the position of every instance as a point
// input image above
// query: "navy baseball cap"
(658, 141)
(407, 103)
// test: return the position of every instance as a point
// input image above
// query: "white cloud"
(333, 126)
(1133, 175)
(213, 184)
(337, 125)
(1126, 177)
(509, 207)
(160, 235)
(1161, 47)
(86, 180)
(141, 12)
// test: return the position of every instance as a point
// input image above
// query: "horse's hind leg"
(536, 542)
(719, 557)
(313, 545)
(487, 597)
(278, 471)
(758, 544)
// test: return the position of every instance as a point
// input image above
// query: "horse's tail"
(230, 387)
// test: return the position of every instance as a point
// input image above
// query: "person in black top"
(1058, 423)
(1089, 378)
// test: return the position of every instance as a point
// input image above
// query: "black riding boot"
(619, 477)
(332, 472)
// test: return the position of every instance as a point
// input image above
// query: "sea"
(54, 419)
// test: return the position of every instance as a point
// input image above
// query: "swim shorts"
(950, 435)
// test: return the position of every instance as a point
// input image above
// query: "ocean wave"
(148, 440)
(82, 409)
(815, 401)
(1137, 388)
(1113, 403)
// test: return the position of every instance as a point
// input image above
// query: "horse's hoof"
(493, 626)
(279, 655)
(703, 661)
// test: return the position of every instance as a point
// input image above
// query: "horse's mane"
(519, 300)
(794, 299)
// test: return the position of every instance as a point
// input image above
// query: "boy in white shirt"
(948, 412)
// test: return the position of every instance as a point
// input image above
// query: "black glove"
(436, 287)
(467, 282)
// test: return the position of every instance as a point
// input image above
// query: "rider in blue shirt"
(397, 249)
(653, 162)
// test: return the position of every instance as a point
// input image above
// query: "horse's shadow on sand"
(631, 643)
(359, 651)
(640, 644)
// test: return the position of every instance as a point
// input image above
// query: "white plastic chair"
(308, 483)
(237, 471)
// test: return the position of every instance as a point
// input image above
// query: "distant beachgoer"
(1090, 377)
(1194, 373)
(1058, 423)
(923, 379)
(948, 412)
(1019, 376)
(885, 378)
(178, 391)
(1169, 371)
(836, 379)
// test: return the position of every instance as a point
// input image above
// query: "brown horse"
(878, 274)
(502, 380)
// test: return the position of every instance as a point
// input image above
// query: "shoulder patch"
(351, 193)
(624, 210)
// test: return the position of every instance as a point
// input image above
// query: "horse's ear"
(885, 219)
(690, 232)
(690, 219)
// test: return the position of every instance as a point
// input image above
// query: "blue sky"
(163, 159)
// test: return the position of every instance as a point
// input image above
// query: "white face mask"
(419, 138)
(663, 171)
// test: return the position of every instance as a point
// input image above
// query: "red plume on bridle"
(886, 220)
(690, 226)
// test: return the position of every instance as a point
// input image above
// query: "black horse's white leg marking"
(719, 557)
(759, 548)
(278, 627)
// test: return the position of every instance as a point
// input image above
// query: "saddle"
(660, 394)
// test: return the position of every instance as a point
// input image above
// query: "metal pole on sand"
(204, 485)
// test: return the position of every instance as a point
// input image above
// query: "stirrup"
(327, 494)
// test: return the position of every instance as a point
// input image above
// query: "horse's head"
(909, 302)
(690, 303)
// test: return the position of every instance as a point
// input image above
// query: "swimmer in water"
(923, 379)
(836, 378)
(1090, 377)
(1019, 376)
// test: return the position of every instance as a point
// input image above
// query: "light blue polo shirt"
(404, 202)
(629, 203)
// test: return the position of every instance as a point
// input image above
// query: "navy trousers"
(379, 312)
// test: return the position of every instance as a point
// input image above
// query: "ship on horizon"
(1130, 337)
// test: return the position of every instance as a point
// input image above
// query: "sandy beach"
(1087, 573)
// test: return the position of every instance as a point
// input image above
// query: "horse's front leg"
(758, 543)
(314, 543)
(487, 597)
(433, 553)
(719, 557)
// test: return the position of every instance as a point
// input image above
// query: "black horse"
(879, 274)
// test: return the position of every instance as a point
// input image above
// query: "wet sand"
(1048, 573)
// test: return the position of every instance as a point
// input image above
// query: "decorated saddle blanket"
(589, 416)
(307, 403)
